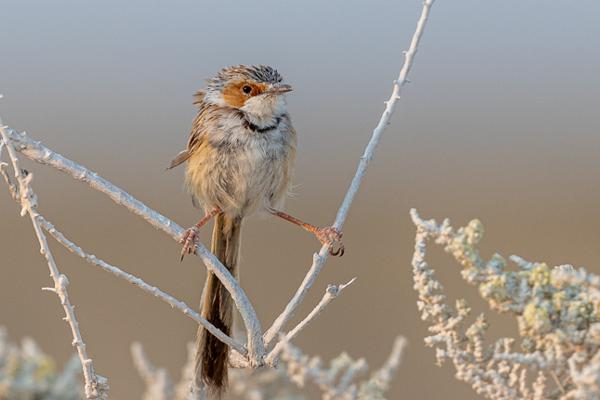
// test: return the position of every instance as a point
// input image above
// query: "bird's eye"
(247, 89)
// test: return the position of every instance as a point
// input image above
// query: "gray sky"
(500, 123)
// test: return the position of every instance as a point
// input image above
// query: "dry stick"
(158, 382)
(96, 387)
(237, 358)
(331, 293)
(320, 258)
(172, 301)
(141, 363)
(43, 155)
(387, 371)
(40, 153)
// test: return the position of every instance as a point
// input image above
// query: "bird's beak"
(279, 89)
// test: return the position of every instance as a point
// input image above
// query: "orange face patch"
(235, 94)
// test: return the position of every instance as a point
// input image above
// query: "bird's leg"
(329, 235)
(188, 239)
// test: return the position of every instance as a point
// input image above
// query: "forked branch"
(254, 352)
(320, 258)
(96, 387)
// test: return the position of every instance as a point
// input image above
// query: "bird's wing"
(199, 99)
(196, 134)
(180, 158)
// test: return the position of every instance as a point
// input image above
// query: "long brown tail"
(217, 307)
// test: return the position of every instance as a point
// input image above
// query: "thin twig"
(36, 151)
(387, 371)
(153, 290)
(96, 387)
(42, 154)
(320, 258)
(256, 341)
(331, 293)
(158, 383)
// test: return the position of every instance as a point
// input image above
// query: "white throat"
(263, 110)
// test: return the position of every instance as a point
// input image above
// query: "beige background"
(500, 122)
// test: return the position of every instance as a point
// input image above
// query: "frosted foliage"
(557, 309)
(343, 379)
(26, 373)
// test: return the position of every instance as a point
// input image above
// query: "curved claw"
(331, 237)
(340, 251)
(188, 239)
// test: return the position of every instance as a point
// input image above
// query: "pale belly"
(240, 180)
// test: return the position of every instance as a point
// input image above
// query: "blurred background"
(500, 122)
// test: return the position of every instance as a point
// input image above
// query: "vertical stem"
(95, 387)
(319, 259)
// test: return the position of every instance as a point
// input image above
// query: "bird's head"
(255, 90)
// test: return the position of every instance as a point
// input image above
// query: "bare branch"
(153, 290)
(253, 355)
(320, 258)
(380, 380)
(96, 387)
(38, 152)
(331, 293)
(158, 383)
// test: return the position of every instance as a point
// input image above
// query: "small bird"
(239, 160)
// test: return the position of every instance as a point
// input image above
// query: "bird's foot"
(189, 238)
(331, 237)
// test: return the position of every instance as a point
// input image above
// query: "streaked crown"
(256, 73)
